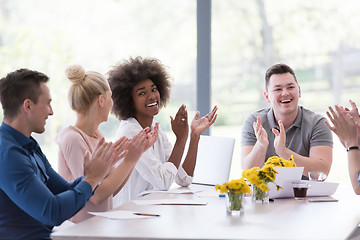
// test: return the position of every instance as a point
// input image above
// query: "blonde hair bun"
(75, 73)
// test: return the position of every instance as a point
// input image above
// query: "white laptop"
(288, 174)
(285, 176)
(213, 160)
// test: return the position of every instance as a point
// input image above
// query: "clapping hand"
(260, 133)
(120, 147)
(280, 140)
(141, 142)
(198, 126)
(98, 165)
(151, 136)
(179, 124)
(345, 126)
(354, 113)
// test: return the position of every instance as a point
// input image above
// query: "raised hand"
(260, 133)
(120, 147)
(151, 136)
(198, 126)
(99, 164)
(354, 113)
(137, 145)
(179, 124)
(280, 140)
(344, 126)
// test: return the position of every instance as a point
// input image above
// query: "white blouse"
(152, 171)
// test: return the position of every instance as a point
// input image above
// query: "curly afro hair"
(123, 78)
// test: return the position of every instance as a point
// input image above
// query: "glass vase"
(258, 195)
(235, 203)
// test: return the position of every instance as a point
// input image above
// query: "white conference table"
(281, 219)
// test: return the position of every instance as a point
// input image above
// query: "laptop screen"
(285, 176)
(213, 160)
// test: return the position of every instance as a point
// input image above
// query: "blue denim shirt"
(33, 197)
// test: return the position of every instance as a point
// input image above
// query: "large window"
(48, 36)
(318, 39)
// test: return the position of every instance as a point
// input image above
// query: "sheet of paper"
(170, 202)
(208, 193)
(64, 225)
(120, 214)
(172, 191)
(321, 188)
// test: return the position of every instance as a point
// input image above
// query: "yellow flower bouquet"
(276, 161)
(235, 191)
(260, 177)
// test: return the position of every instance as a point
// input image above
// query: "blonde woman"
(90, 98)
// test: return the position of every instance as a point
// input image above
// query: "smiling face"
(283, 94)
(146, 99)
(41, 110)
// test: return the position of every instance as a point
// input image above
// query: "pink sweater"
(73, 145)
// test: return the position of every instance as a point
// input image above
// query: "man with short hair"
(285, 128)
(33, 197)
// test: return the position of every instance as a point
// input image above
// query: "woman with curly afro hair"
(140, 87)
